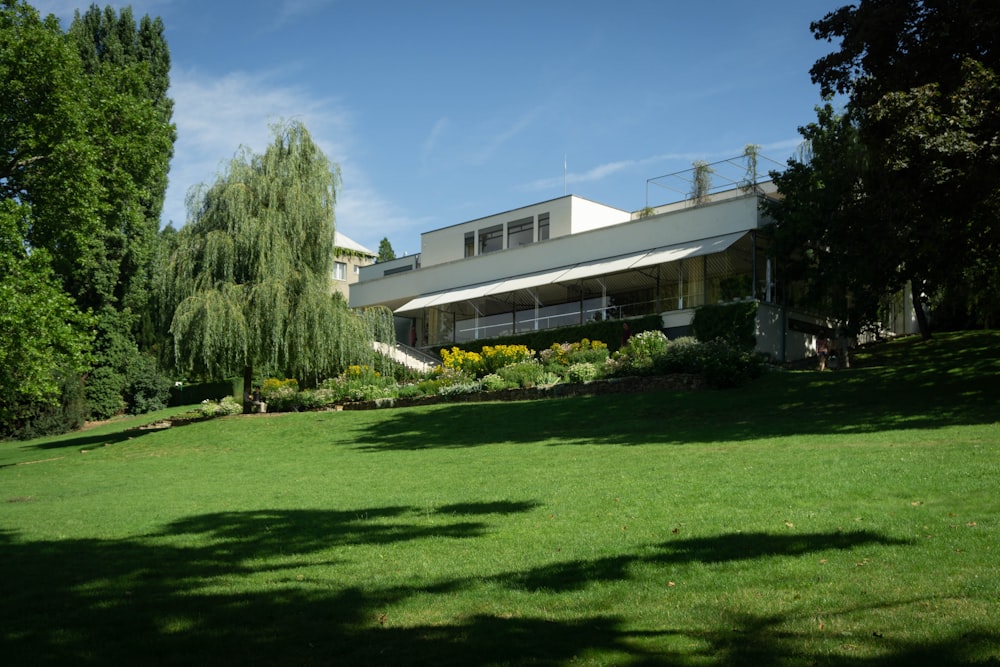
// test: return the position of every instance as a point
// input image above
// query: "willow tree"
(248, 284)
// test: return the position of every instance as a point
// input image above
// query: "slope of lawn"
(838, 518)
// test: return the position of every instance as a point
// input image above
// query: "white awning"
(672, 253)
(530, 280)
(450, 296)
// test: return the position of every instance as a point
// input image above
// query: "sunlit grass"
(839, 518)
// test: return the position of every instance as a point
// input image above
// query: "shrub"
(460, 361)
(724, 366)
(415, 390)
(146, 388)
(104, 392)
(227, 406)
(566, 354)
(683, 355)
(583, 372)
(281, 395)
(496, 357)
(494, 382)
(637, 358)
(460, 388)
(490, 360)
(359, 383)
(525, 374)
(230, 406)
(735, 323)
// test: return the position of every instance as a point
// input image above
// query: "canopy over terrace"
(654, 280)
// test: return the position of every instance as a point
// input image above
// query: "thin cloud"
(486, 153)
(291, 10)
(215, 116)
(432, 140)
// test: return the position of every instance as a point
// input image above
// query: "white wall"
(567, 215)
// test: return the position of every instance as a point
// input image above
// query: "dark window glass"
(490, 239)
(543, 226)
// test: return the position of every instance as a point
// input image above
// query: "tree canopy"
(385, 251)
(920, 137)
(85, 144)
(249, 285)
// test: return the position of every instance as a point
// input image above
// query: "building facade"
(569, 260)
(349, 258)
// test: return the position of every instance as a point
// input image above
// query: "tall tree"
(922, 86)
(385, 251)
(128, 67)
(85, 143)
(249, 284)
(823, 229)
(127, 71)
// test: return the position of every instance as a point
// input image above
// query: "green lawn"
(838, 518)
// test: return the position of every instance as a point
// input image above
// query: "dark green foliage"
(385, 251)
(920, 193)
(523, 375)
(724, 366)
(43, 336)
(68, 413)
(189, 394)
(734, 323)
(147, 389)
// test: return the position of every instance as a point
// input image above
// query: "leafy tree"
(923, 92)
(824, 230)
(385, 251)
(45, 337)
(85, 143)
(127, 71)
(249, 283)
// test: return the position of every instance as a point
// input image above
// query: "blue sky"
(442, 111)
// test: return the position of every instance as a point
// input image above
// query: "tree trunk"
(918, 310)
(247, 389)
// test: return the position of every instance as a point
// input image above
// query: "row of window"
(518, 233)
(340, 270)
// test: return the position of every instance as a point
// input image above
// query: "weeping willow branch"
(249, 283)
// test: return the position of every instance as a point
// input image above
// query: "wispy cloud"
(486, 152)
(291, 10)
(217, 115)
(431, 142)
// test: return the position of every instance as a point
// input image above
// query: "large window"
(490, 239)
(520, 232)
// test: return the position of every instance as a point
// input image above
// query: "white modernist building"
(570, 260)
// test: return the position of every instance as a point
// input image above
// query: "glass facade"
(679, 285)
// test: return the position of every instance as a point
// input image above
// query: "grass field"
(838, 518)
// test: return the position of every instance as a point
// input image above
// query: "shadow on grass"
(911, 385)
(574, 575)
(219, 589)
